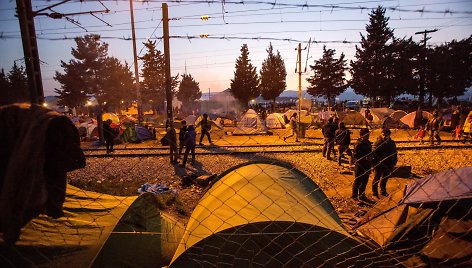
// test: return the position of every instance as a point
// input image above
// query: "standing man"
(329, 131)
(189, 142)
(182, 132)
(294, 126)
(108, 135)
(434, 126)
(343, 140)
(385, 159)
(206, 127)
(362, 157)
(172, 139)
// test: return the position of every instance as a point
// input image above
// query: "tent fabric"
(353, 119)
(93, 226)
(398, 114)
(114, 118)
(143, 237)
(275, 120)
(468, 123)
(142, 133)
(325, 115)
(267, 214)
(392, 123)
(450, 185)
(409, 119)
(75, 238)
(129, 135)
(428, 226)
(250, 124)
(379, 114)
(89, 128)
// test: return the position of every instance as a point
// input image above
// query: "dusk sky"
(211, 61)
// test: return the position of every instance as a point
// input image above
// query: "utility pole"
(30, 50)
(299, 67)
(165, 26)
(136, 69)
(423, 67)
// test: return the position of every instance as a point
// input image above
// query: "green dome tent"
(97, 230)
(268, 215)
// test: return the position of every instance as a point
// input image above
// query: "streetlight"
(88, 104)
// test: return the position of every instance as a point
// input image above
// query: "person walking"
(434, 126)
(362, 157)
(182, 131)
(343, 140)
(190, 143)
(109, 136)
(206, 127)
(172, 139)
(329, 131)
(385, 159)
(294, 126)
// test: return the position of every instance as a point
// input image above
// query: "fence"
(273, 202)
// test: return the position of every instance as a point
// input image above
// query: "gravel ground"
(124, 175)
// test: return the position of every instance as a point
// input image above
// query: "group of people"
(187, 139)
(381, 157)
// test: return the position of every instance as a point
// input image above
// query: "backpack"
(165, 140)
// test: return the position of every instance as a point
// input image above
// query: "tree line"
(383, 68)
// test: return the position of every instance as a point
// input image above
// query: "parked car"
(352, 105)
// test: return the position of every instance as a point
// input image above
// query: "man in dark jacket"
(362, 157)
(434, 127)
(172, 139)
(182, 132)
(343, 140)
(206, 127)
(190, 143)
(385, 159)
(329, 131)
(109, 136)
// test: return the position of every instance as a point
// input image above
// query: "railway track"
(307, 147)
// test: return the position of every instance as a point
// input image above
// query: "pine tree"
(449, 69)
(328, 79)
(153, 85)
(273, 76)
(371, 68)
(245, 84)
(4, 88)
(92, 74)
(18, 84)
(188, 92)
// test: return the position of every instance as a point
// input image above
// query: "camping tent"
(353, 119)
(86, 129)
(325, 115)
(275, 120)
(409, 119)
(290, 112)
(378, 114)
(429, 223)
(143, 133)
(468, 123)
(98, 230)
(268, 215)
(398, 114)
(392, 123)
(114, 118)
(250, 124)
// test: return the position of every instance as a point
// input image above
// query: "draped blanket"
(37, 147)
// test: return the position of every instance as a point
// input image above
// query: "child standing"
(457, 132)
(421, 134)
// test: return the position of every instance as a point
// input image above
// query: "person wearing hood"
(189, 143)
(385, 159)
